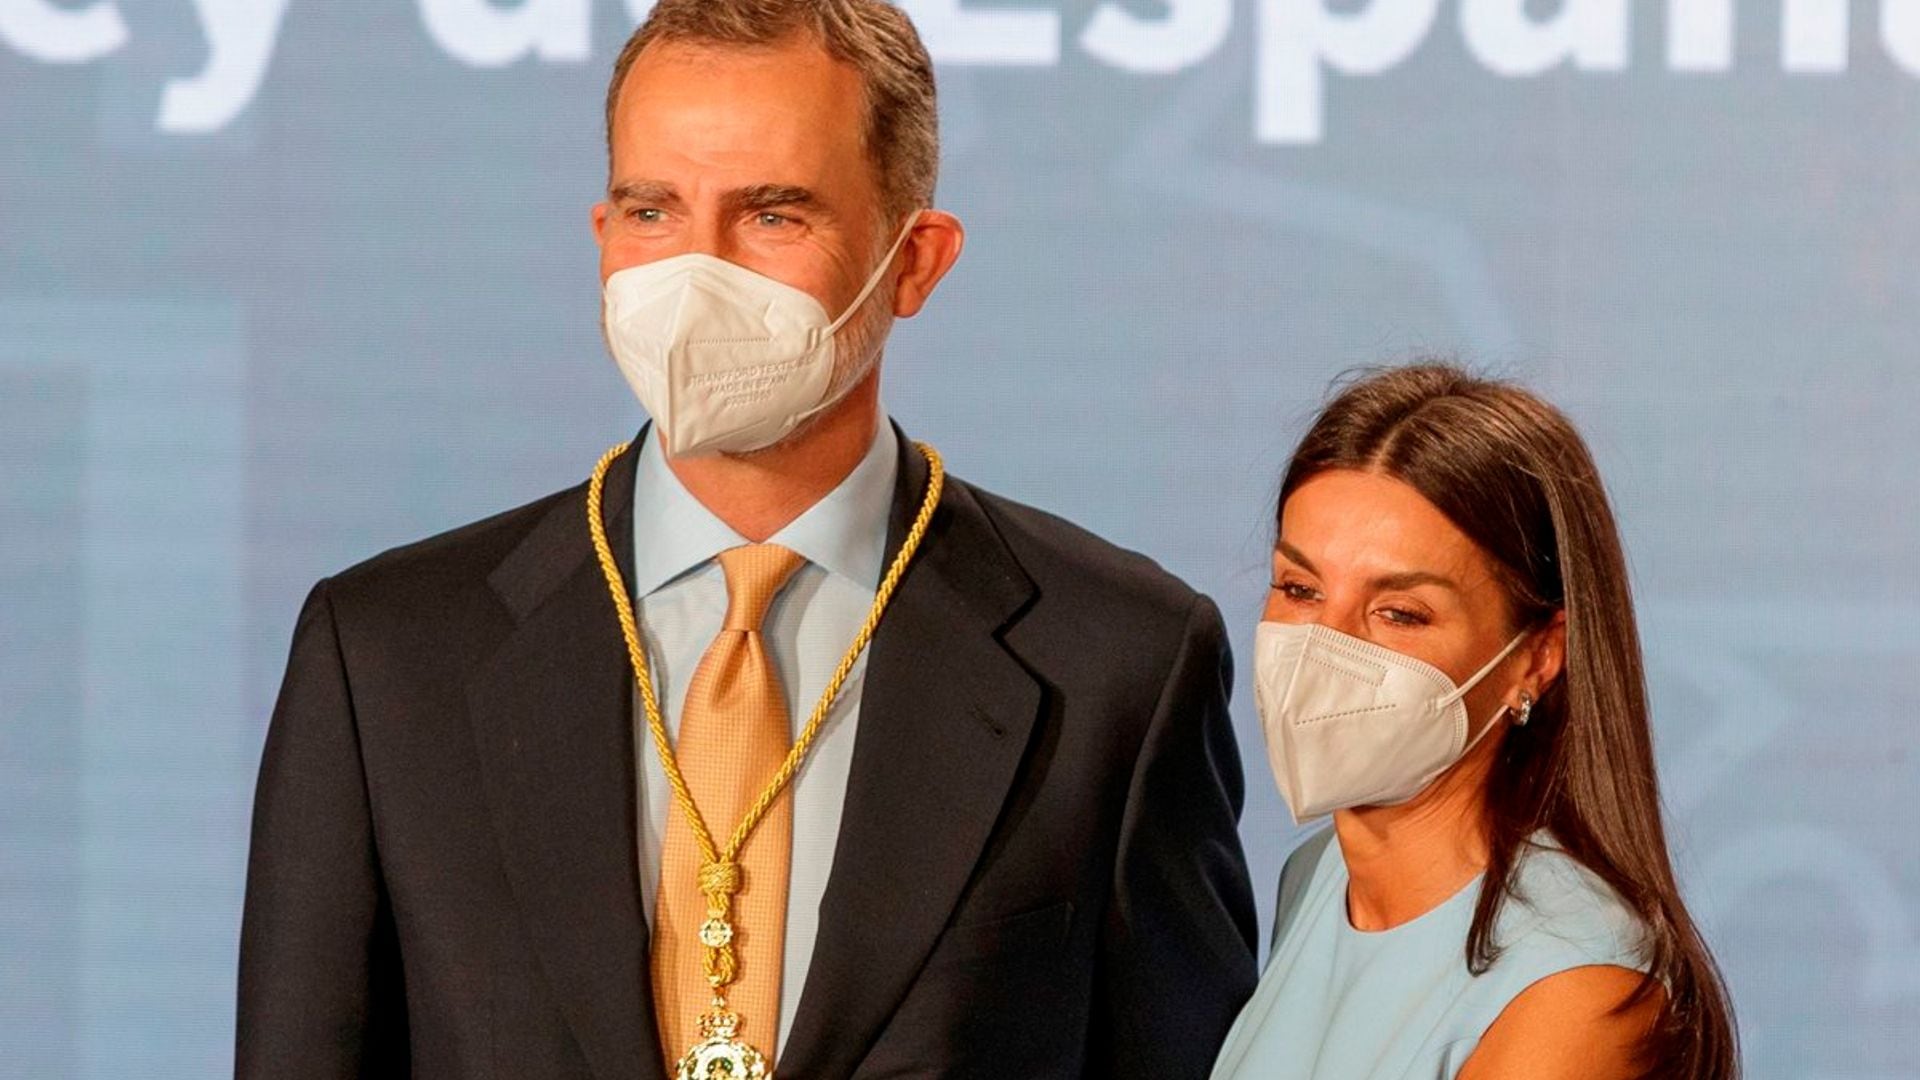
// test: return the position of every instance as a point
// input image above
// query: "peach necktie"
(734, 734)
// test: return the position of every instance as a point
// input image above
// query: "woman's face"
(1369, 556)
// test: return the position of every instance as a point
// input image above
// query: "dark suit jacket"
(1038, 873)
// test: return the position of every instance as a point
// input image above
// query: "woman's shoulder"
(1562, 912)
(1566, 985)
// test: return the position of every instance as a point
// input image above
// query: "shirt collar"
(844, 533)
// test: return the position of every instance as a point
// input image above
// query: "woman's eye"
(1403, 617)
(1296, 592)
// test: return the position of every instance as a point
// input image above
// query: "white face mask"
(724, 359)
(1349, 723)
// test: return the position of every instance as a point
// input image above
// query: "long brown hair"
(1511, 472)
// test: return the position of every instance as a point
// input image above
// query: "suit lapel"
(945, 715)
(552, 717)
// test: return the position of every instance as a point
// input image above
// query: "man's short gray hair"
(874, 37)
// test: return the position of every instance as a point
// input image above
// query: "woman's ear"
(1547, 656)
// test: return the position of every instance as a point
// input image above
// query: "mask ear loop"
(873, 280)
(1475, 681)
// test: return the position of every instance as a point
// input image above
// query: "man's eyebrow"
(768, 196)
(655, 192)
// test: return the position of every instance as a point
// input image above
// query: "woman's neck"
(1403, 861)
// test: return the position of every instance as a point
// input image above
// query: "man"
(1008, 847)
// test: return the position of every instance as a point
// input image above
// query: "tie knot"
(755, 575)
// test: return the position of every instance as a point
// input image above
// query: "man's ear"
(600, 212)
(932, 247)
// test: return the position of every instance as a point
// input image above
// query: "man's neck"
(1404, 861)
(760, 493)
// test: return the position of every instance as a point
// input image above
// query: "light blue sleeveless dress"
(1337, 1003)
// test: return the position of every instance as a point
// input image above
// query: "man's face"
(753, 155)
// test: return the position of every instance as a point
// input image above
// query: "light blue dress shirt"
(681, 601)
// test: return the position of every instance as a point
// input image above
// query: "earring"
(1526, 710)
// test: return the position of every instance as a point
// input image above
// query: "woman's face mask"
(1350, 723)
(1378, 637)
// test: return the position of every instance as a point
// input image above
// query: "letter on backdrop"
(1191, 31)
(62, 35)
(240, 35)
(483, 35)
(1300, 39)
(1592, 34)
(1813, 36)
(956, 36)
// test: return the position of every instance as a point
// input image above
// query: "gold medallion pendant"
(719, 1055)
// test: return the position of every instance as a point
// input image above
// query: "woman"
(1448, 665)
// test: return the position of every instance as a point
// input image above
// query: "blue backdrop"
(285, 282)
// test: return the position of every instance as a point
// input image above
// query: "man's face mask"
(724, 359)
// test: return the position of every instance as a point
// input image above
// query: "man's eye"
(651, 215)
(771, 220)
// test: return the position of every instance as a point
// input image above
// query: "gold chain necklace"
(720, 1052)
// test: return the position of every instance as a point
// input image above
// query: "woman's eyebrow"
(1295, 556)
(1407, 579)
(1403, 579)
